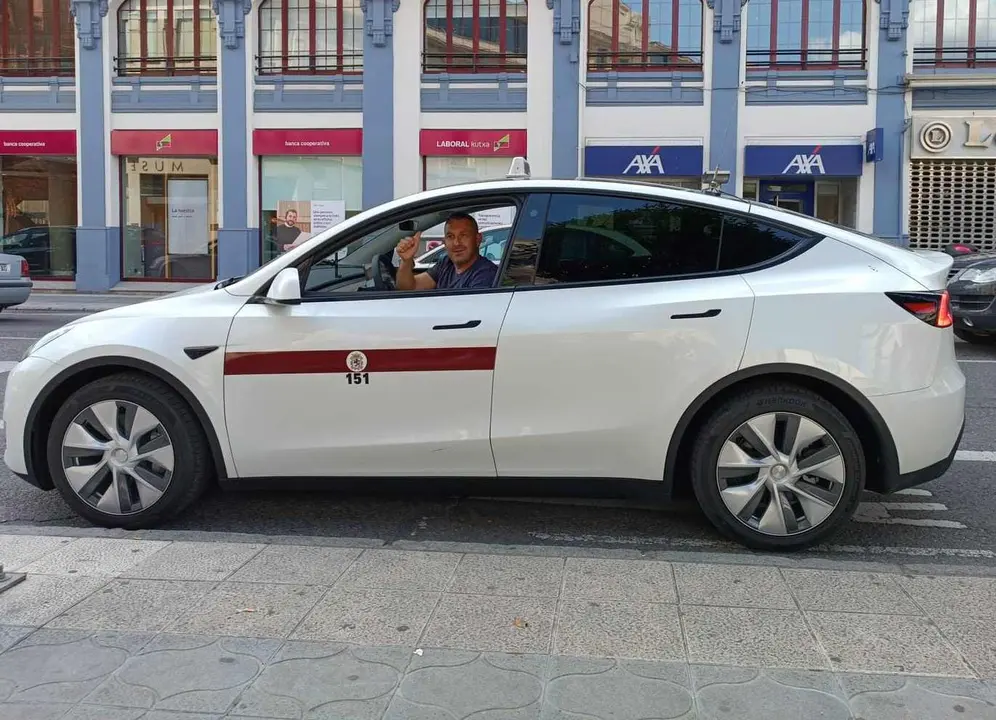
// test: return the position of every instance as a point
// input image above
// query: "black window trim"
(809, 240)
(516, 198)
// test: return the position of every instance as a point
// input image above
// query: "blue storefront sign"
(803, 160)
(643, 161)
(873, 145)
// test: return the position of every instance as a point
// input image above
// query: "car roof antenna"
(519, 169)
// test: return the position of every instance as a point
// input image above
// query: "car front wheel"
(777, 468)
(127, 452)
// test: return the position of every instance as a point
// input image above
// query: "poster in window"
(292, 224)
(495, 217)
(188, 230)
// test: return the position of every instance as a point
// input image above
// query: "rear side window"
(599, 238)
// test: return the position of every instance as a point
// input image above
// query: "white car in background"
(770, 364)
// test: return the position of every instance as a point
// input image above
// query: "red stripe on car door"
(306, 362)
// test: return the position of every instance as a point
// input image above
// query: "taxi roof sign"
(519, 169)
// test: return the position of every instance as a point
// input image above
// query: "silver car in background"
(15, 280)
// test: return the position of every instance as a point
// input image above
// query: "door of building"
(798, 197)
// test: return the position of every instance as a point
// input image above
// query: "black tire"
(976, 338)
(192, 465)
(761, 400)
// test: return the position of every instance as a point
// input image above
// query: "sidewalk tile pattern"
(106, 629)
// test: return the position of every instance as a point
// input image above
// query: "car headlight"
(981, 276)
(46, 339)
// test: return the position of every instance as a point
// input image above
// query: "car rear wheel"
(777, 468)
(127, 452)
(976, 338)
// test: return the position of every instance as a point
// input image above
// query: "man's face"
(462, 241)
(290, 218)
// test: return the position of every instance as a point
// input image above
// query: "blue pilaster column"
(727, 69)
(98, 249)
(890, 115)
(566, 86)
(238, 245)
(378, 101)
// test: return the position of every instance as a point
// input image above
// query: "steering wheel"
(382, 272)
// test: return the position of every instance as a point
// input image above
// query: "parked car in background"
(15, 280)
(49, 249)
(972, 284)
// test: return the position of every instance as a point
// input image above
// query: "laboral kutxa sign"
(478, 143)
(969, 135)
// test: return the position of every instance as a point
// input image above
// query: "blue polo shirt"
(479, 275)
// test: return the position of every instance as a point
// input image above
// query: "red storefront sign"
(480, 143)
(191, 143)
(307, 142)
(37, 142)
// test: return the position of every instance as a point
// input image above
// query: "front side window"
(167, 37)
(806, 34)
(475, 36)
(599, 238)
(644, 35)
(36, 38)
(310, 37)
(953, 33)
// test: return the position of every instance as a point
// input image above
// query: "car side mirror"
(407, 226)
(285, 288)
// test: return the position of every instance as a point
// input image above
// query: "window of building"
(167, 37)
(806, 34)
(169, 218)
(455, 170)
(36, 39)
(953, 33)
(475, 36)
(644, 34)
(597, 238)
(39, 213)
(302, 196)
(310, 37)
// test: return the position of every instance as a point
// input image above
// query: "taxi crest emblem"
(356, 361)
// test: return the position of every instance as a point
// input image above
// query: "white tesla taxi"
(771, 364)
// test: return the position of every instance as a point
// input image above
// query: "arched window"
(806, 34)
(953, 33)
(36, 38)
(644, 35)
(167, 37)
(310, 37)
(475, 36)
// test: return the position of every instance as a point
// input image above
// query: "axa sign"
(813, 161)
(646, 164)
(802, 164)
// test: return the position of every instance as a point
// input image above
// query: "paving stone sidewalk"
(122, 629)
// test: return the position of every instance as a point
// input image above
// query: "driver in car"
(463, 266)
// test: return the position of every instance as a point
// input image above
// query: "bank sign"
(971, 136)
(813, 161)
(643, 161)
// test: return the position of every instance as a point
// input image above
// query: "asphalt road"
(949, 521)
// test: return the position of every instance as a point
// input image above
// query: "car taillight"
(25, 269)
(934, 308)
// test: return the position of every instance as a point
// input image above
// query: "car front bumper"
(24, 382)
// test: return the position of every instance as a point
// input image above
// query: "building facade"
(164, 141)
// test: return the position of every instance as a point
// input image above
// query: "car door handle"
(690, 316)
(462, 326)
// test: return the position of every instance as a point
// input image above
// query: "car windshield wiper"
(228, 281)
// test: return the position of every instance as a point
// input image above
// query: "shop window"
(169, 218)
(167, 37)
(475, 36)
(310, 37)
(806, 34)
(446, 171)
(949, 33)
(302, 196)
(36, 39)
(39, 213)
(644, 35)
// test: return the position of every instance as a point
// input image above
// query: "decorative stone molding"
(726, 18)
(566, 19)
(89, 16)
(231, 20)
(378, 22)
(893, 17)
